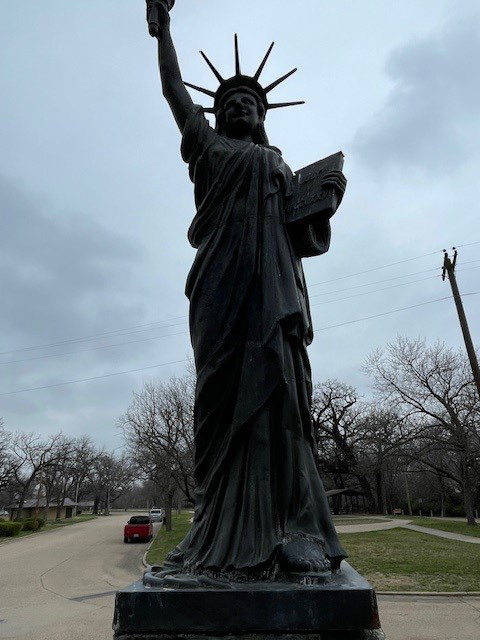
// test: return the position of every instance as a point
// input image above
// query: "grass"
(448, 525)
(403, 560)
(165, 540)
(392, 560)
(51, 525)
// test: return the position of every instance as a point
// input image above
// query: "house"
(37, 507)
(85, 506)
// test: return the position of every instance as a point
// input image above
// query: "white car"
(156, 515)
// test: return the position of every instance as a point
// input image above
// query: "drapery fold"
(257, 483)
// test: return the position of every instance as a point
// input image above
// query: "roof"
(345, 492)
(31, 504)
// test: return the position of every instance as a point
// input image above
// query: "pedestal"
(343, 609)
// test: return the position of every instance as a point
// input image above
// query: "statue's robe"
(257, 483)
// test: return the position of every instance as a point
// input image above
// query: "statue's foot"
(304, 559)
(177, 578)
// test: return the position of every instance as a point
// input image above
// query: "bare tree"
(158, 429)
(358, 442)
(337, 421)
(5, 463)
(109, 478)
(30, 456)
(433, 388)
(52, 479)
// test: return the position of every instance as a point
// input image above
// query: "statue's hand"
(335, 180)
(158, 16)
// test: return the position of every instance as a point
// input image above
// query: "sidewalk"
(442, 534)
(416, 617)
(405, 524)
(365, 528)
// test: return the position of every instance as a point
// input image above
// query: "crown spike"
(237, 57)
(277, 105)
(215, 72)
(262, 64)
(277, 82)
(207, 92)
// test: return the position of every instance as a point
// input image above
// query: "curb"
(144, 557)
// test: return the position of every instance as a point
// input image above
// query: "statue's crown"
(240, 81)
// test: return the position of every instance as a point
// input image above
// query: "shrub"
(10, 529)
(30, 525)
(41, 522)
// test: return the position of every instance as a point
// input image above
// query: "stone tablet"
(309, 198)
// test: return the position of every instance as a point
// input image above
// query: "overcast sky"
(95, 200)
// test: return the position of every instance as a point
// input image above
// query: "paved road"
(60, 585)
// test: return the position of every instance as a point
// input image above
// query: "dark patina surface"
(346, 603)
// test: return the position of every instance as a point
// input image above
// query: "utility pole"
(449, 268)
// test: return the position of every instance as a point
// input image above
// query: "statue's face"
(241, 114)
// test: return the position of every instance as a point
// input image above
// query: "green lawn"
(392, 560)
(403, 560)
(165, 541)
(459, 526)
(51, 525)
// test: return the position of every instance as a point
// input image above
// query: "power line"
(105, 346)
(121, 344)
(385, 266)
(387, 313)
(168, 335)
(152, 325)
(459, 246)
(368, 284)
(119, 373)
(98, 336)
(365, 293)
(401, 284)
(107, 375)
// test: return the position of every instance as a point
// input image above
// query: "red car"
(138, 528)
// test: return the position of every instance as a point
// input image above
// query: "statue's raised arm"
(174, 90)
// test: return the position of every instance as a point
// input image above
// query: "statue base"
(343, 609)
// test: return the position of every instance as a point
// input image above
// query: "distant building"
(340, 499)
(30, 507)
(85, 506)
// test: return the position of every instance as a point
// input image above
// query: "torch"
(154, 14)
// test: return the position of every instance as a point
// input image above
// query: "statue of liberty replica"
(262, 524)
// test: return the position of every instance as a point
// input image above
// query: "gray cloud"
(431, 115)
(60, 270)
(83, 121)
